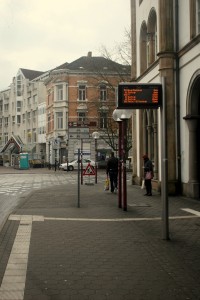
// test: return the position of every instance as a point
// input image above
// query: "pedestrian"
(112, 171)
(148, 174)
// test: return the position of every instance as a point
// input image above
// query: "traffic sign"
(89, 170)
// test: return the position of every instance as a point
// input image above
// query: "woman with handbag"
(148, 174)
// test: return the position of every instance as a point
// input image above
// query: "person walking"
(148, 174)
(112, 171)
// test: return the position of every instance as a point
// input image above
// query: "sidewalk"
(52, 249)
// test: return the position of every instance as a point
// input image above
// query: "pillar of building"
(192, 189)
(166, 66)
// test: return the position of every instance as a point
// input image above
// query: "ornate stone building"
(166, 44)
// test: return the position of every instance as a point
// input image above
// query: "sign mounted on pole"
(89, 170)
(139, 95)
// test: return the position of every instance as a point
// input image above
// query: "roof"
(94, 64)
(31, 74)
(14, 141)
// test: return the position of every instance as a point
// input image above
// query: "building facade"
(54, 113)
(166, 48)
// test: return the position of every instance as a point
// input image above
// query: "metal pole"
(164, 177)
(78, 204)
(95, 160)
(81, 161)
(120, 165)
(55, 159)
(49, 156)
(124, 123)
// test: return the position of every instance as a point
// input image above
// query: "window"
(19, 85)
(49, 122)
(34, 116)
(81, 117)
(152, 38)
(59, 120)
(143, 47)
(34, 99)
(13, 120)
(103, 92)
(29, 117)
(18, 119)
(6, 121)
(29, 136)
(5, 137)
(6, 107)
(198, 16)
(18, 106)
(34, 136)
(0, 122)
(23, 118)
(59, 92)
(103, 120)
(194, 18)
(82, 92)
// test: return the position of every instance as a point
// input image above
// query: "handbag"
(148, 175)
(107, 185)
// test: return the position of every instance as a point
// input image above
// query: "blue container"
(23, 161)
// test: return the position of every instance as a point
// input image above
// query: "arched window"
(152, 37)
(198, 16)
(143, 47)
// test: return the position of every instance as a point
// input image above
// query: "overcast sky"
(42, 34)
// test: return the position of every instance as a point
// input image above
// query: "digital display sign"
(139, 95)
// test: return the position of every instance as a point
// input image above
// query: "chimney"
(89, 54)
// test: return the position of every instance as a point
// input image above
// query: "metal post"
(55, 159)
(78, 204)
(124, 128)
(164, 178)
(49, 156)
(95, 160)
(120, 165)
(81, 161)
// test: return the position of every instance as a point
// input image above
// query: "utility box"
(23, 161)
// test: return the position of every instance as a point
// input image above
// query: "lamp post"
(119, 121)
(121, 116)
(95, 136)
(49, 155)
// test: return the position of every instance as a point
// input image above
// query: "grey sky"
(42, 34)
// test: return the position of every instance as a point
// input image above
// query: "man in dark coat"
(112, 171)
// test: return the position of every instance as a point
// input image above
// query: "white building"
(166, 43)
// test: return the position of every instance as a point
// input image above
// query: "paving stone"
(83, 259)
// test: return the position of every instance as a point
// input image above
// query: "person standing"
(112, 171)
(148, 174)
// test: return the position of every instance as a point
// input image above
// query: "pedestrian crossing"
(16, 185)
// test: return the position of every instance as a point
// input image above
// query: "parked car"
(102, 164)
(73, 165)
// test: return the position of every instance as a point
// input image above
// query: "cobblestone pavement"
(52, 249)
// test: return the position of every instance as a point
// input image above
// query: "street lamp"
(119, 121)
(121, 116)
(95, 136)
